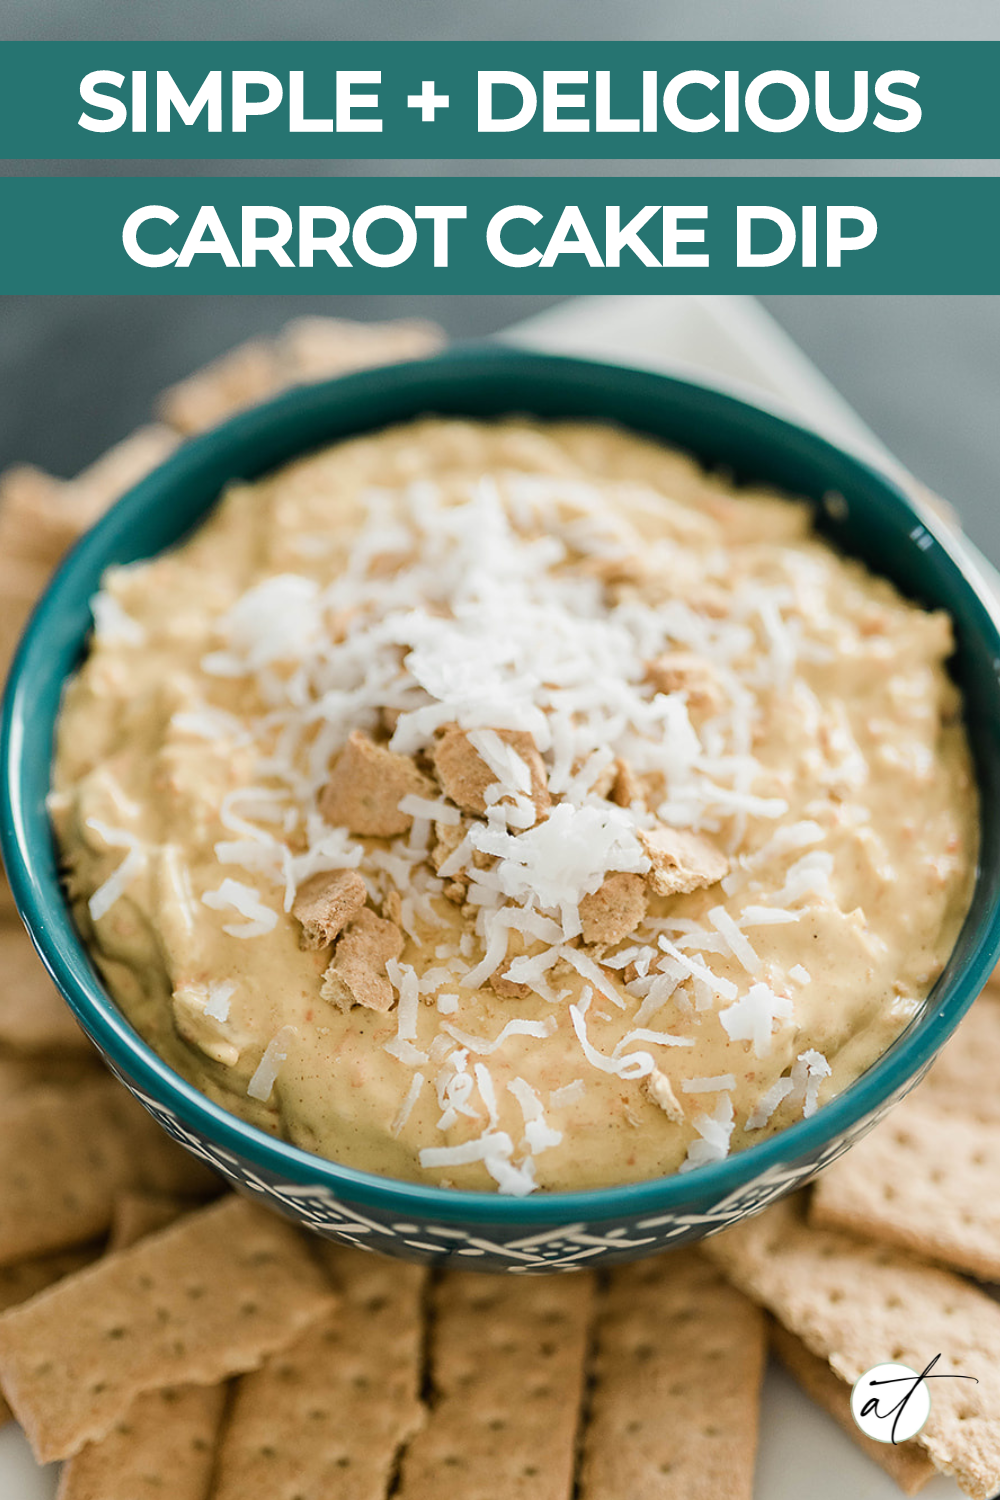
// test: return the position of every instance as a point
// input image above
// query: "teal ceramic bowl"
(872, 519)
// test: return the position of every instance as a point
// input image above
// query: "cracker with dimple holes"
(675, 1404)
(163, 1448)
(65, 1155)
(210, 1297)
(29, 1277)
(963, 1078)
(33, 1015)
(164, 1444)
(329, 1414)
(507, 1366)
(906, 1463)
(859, 1304)
(137, 1214)
(924, 1180)
(41, 517)
(21, 1074)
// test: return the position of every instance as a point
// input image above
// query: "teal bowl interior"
(873, 521)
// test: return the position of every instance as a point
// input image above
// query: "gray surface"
(75, 373)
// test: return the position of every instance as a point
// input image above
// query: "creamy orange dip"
(514, 806)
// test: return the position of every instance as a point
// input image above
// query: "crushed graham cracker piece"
(326, 904)
(466, 777)
(366, 786)
(626, 787)
(357, 974)
(392, 907)
(685, 672)
(447, 837)
(681, 861)
(508, 989)
(615, 909)
(661, 1092)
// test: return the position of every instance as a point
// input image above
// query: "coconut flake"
(233, 896)
(808, 1072)
(740, 948)
(636, 1065)
(484, 1047)
(121, 878)
(112, 625)
(751, 1018)
(570, 1093)
(768, 1103)
(275, 1053)
(714, 1131)
(220, 993)
(433, 811)
(406, 1108)
(708, 1085)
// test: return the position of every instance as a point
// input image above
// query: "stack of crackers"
(164, 1337)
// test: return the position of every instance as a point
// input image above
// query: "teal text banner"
(555, 235)
(503, 100)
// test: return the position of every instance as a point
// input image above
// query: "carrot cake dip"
(514, 806)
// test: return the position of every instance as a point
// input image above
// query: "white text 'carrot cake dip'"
(514, 806)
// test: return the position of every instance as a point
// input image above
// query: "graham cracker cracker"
(675, 1403)
(136, 1214)
(242, 377)
(906, 1463)
(306, 350)
(41, 517)
(163, 1448)
(166, 1441)
(330, 1414)
(858, 1304)
(925, 1180)
(507, 1362)
(963, 1078)
(20, 1074)
(29, 1277)
(210, 1297)
(34, 1017)
(65, 1156)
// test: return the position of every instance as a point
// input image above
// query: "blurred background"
(923, 372)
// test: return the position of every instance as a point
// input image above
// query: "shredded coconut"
(120, 879)
(275, 1053)
(233, 896)
(708, 1085)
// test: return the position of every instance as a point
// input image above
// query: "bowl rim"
(46, 914)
